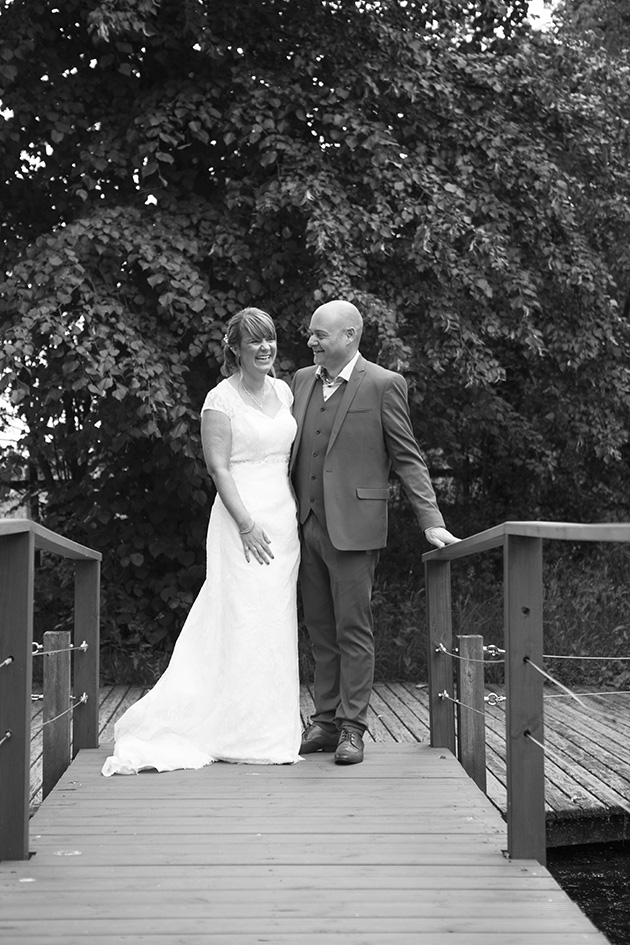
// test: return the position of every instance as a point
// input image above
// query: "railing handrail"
(521, 543)
(47, 540)
(19, 539)
(559, 531)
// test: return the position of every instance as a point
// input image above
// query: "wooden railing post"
(442, 716)
(86, 665)
(526, 827)
(471, 722)
(56, 732)
(17, 555)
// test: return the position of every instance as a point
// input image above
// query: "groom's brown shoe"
(350, 748)
(316, 738)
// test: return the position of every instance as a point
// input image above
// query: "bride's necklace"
(259, 403)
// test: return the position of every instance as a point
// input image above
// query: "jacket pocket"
(363, 493)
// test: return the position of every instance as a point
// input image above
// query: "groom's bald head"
(342, 314)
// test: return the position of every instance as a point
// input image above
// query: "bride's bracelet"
(250, 528)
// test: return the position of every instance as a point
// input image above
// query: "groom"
(353, 426)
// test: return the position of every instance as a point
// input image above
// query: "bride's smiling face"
(256, 356)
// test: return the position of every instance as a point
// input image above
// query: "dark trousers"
(336, 589)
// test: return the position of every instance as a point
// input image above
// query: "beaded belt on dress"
(268, 460)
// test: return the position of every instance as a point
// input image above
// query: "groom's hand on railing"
(438, 536)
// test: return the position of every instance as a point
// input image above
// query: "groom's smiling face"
(330, 341)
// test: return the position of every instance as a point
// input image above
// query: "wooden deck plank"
(395, 717)
(304, 938)
(179, 928)
(376, 912)
(401, 848)
(240, 877)
(299, 938)
(382, 901)
(397, 700)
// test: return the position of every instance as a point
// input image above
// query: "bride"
(231, 689)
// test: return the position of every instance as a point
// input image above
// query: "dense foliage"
(464, 180)
(595, 22)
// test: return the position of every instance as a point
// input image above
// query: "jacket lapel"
(301, 397)
(356, 378)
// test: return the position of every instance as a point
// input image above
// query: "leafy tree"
(596, 22)
(163, 164)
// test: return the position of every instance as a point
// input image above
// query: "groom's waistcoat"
(309, 465)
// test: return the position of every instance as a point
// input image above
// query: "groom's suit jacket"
(371, 434)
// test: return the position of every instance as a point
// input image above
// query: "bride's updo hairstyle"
(251, 324)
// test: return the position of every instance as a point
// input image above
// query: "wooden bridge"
(404, 848)
(587, 779)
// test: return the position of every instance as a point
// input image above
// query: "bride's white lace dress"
(231, 689)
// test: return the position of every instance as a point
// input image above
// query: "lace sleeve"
(219, 399)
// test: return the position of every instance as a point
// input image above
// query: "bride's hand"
(257, 545)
